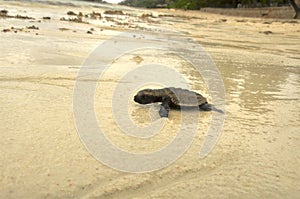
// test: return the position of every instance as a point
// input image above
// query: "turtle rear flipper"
(205, 107)
(217, 110)
(209, 107)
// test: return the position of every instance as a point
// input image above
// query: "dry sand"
(41, 155)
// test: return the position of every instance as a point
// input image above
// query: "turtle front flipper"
(164, 107)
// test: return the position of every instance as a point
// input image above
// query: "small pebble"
(6, 30)
(33, 27)
(268, 32)
(71, 13)
(3, 12)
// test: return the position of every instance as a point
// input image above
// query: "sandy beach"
(44, 47)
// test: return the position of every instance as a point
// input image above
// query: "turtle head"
(146, 96)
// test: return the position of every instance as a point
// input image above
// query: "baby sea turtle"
(173, 98)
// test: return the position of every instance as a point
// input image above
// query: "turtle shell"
(184, 97)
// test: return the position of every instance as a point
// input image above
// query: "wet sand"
(41, 155)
